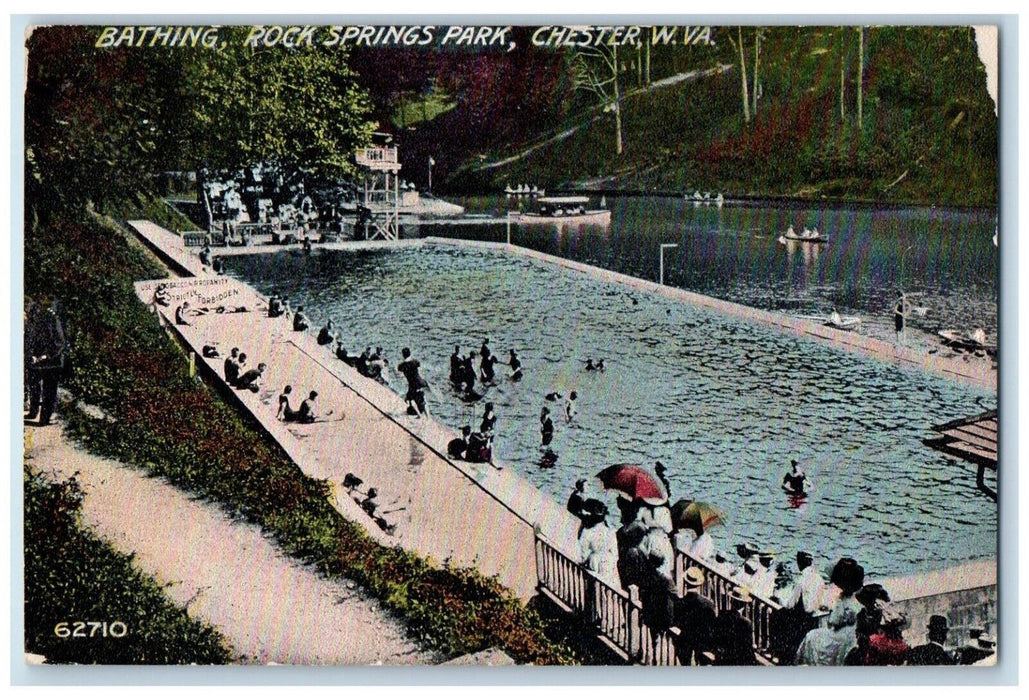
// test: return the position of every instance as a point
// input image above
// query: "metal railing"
(617, 614)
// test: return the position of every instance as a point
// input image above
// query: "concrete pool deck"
(403, 457)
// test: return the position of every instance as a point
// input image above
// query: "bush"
(174, 426)
(73, 577)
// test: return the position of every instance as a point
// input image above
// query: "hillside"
(927, 134)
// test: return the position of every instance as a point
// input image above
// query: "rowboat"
(976, 340)
(805, 236)
(846, 323)
(566, 210)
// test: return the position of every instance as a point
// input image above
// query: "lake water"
(946, 258)
(723, 403)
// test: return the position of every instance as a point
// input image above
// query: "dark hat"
(938, 622)
(848, 575)
(871, 593)
(372, 493)
(659, 467)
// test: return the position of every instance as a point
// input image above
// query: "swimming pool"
(723, 403)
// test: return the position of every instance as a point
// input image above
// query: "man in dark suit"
(734, 635)
(45, 348)
(932, 652)
(695, 618)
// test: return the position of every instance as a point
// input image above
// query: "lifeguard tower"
(379, 214)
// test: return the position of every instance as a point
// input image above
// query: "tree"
(738, 45)
(595, 70)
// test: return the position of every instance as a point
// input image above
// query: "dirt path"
(227, 573)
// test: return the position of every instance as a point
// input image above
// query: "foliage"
(72, 576)
(171, 425)
(926, 116)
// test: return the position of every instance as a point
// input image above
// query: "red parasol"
(635, 482)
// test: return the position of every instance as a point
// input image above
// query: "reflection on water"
(723, 403)
(945, 257)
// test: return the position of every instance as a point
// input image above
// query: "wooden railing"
(617, 614)
(717, 587)
(614, 612)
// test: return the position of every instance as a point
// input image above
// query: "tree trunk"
(743, 77)
(646, 74)
(757, 54)
(860, 76)
(618, 102)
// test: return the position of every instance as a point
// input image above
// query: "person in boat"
(300, 321)
(794, 480)
(546, 426)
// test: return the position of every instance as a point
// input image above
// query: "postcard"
(487, 344)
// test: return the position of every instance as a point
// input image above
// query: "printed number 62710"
(64, 630)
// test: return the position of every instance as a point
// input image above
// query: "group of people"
(368, 501)
(476, 446)
(239, 376)
(463, 373)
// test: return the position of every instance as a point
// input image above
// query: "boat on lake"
(566, 210)
(805, 236)
(959, 340)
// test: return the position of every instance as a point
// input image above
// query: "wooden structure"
(972, 439)
(379, 213)
(615, 614)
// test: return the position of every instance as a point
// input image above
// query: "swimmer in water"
(516, 367)
(589, 364)
(546, 426)
(570, 410)
(794, 480)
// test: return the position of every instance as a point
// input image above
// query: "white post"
(509, 227)
(661, 276)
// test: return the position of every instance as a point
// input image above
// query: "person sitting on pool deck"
(276, 306)
(457, 447)
(327, 335)
(181, 312)
(300, 320)
(232, 367)
(251, 379)
(341, 353)
(306, 414)
(285, 411)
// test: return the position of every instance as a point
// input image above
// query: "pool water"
(723, 403)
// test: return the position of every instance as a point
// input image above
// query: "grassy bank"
(72, 577)
(174, 426)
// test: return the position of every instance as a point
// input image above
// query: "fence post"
(192, 364)
(635, 636)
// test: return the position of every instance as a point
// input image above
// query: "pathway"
(270, 608)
